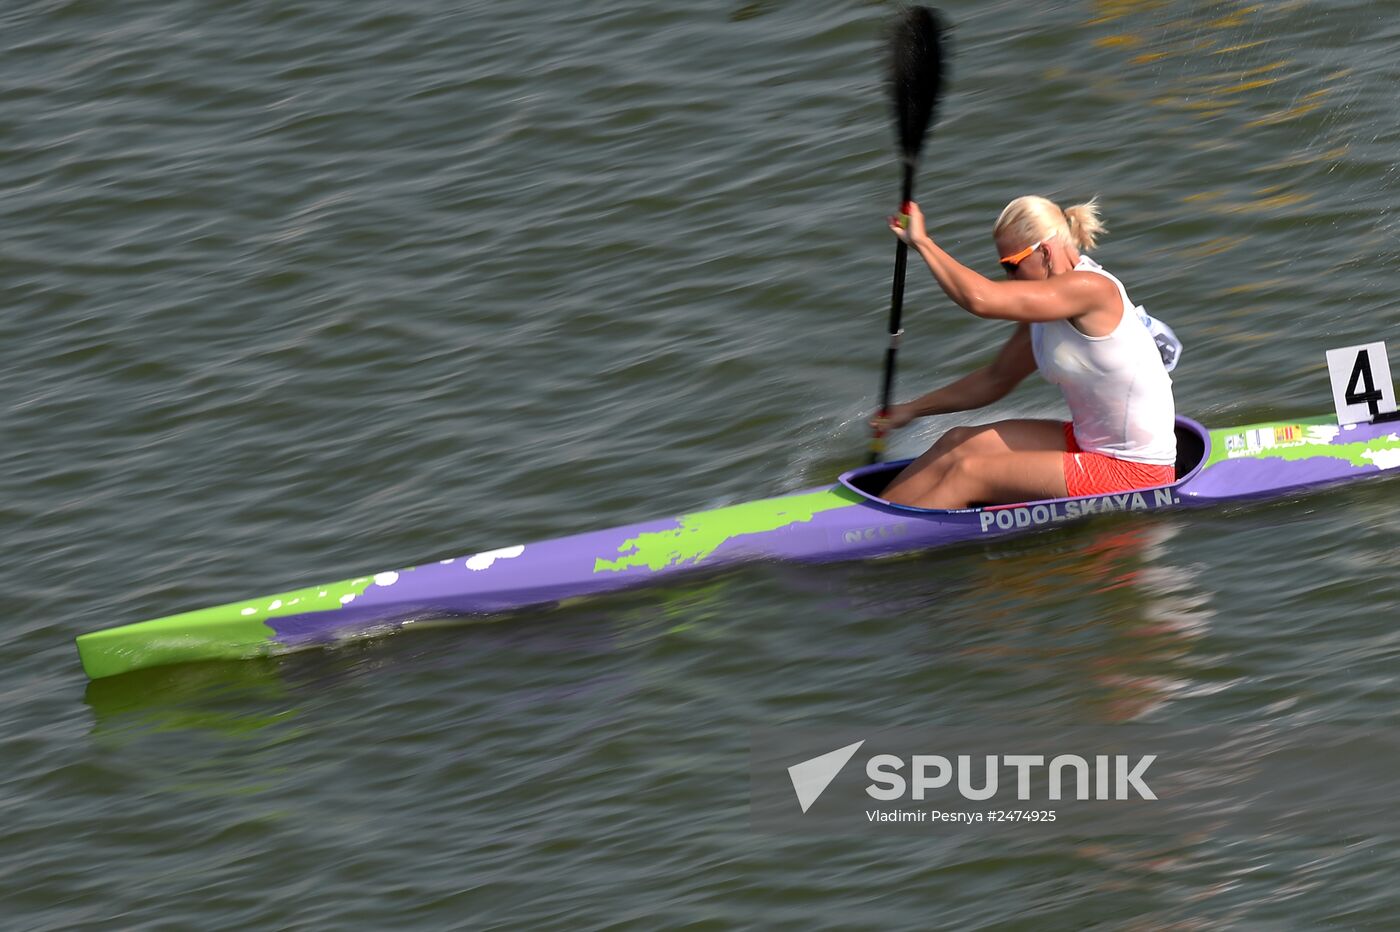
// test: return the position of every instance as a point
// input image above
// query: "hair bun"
(1084, 223)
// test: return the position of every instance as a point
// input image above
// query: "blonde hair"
(1031, 218)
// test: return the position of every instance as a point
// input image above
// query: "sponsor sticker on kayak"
(1007, 517)
(1260, 439)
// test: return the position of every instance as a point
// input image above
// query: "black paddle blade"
(916, 75)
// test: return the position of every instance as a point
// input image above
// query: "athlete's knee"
(955, 439)
(966, 469)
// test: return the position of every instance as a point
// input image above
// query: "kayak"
(844, 520)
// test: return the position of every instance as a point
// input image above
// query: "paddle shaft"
(901, 261)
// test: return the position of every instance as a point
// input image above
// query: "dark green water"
(294, 291)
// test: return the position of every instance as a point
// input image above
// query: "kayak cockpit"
(1192, 450)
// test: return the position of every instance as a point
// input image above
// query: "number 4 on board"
(1361, 386)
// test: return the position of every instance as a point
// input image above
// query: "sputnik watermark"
(934, 772)
(1107, 777)
(1082, 779)
(811, 777)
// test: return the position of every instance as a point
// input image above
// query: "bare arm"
(1071, 295)
(977, 389)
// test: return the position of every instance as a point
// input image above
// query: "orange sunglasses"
(1011, 262)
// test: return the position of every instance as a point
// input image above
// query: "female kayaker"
(1075, 323)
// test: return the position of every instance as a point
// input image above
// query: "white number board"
(1361, 386)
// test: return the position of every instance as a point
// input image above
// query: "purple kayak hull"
(843, 521)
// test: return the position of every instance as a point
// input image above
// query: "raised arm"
(1068, 295)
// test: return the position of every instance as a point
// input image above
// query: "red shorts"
(1099, 474)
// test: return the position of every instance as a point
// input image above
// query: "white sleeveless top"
(1119, 394)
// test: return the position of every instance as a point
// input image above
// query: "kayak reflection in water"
(1075, 323)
